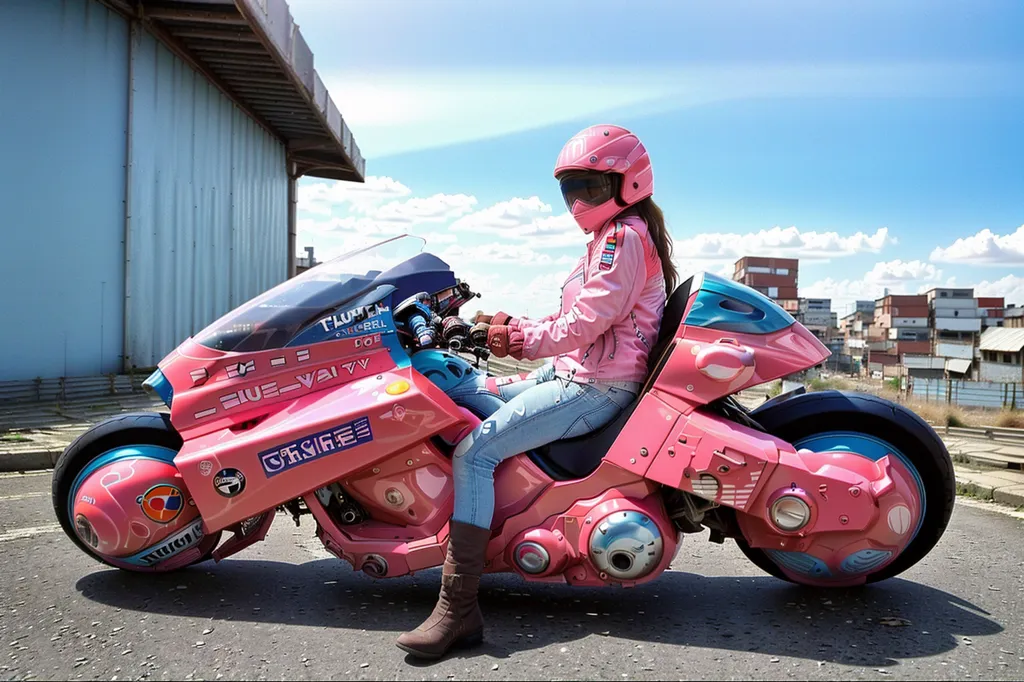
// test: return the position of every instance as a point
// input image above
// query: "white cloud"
(897, 271)
(395, 217)
(540, 296)
(322, 197)
(438, 208)
(524, 218)
(1010, 287)
(498, 252)
(787, 242)
(898, 276)
(358, 225)
(984, 248)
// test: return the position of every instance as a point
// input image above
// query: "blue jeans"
(538, 410)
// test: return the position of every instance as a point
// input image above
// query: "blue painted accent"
(870, 447)
(154, 452)
(445, 370)
(175, 544)
(350, 323)
(733, 307)
(800, 563)
(865, 561)
(159, 384)
(395, 350)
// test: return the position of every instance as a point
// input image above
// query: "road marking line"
(21, 533)
(23, 496)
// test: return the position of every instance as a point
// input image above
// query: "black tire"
(811, 413)
(141, 428)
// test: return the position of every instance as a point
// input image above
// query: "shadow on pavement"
(760, 614)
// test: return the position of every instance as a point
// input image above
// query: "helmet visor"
(592, 189)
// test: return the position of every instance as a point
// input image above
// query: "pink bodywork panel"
(422, 410)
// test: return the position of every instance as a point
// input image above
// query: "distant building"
(955, 324)
(776, 278)
(1013, 317)
(865, 307)
(816, 314)
(991, 310)
(899, 329)
(853, 329)
(152, 152)
(1002, 355)
(303, 263)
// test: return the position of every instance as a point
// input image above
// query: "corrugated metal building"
(150, 150)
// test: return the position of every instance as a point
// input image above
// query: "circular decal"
(229, 482)
(162, 503)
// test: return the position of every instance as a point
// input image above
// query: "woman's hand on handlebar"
(497, 318)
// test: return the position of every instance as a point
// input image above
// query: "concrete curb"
(994, 485)
(28, 460)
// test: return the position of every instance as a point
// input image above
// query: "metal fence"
(969, 393)
(70, 389)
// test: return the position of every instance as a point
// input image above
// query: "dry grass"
(833, 383)
(1011, 419)
(941, 414)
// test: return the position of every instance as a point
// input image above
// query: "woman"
(612, 304)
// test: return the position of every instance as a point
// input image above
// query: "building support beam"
(293, 211)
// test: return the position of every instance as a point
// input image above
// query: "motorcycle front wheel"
(127, 438)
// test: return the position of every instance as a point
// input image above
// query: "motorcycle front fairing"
(301, 384)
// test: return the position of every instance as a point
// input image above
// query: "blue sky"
(879, 142)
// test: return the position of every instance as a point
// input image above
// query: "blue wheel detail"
(865, 561)
(870, 447)
(800, 563)
(155, 452)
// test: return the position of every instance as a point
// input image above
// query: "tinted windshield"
(273, 318)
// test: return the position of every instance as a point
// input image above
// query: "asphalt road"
(283, 609)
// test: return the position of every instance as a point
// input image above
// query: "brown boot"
(456, 619)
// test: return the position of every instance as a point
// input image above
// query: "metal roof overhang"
(1002, 339)
(958, 365)
(253, 51)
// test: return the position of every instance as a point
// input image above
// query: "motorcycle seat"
(575, 458)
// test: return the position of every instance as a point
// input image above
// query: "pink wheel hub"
(853, 531)
(137, 513)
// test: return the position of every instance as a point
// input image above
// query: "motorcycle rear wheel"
(124, 431)
(866, 423)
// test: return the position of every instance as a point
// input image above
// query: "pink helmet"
(602, 170)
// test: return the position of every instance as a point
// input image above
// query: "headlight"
(790, 513)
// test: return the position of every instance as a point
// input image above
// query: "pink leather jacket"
(612, 304)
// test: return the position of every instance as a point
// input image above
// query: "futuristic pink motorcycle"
(329, 396)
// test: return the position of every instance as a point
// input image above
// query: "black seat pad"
(574, 458)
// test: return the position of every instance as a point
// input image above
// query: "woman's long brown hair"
(651, 214)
